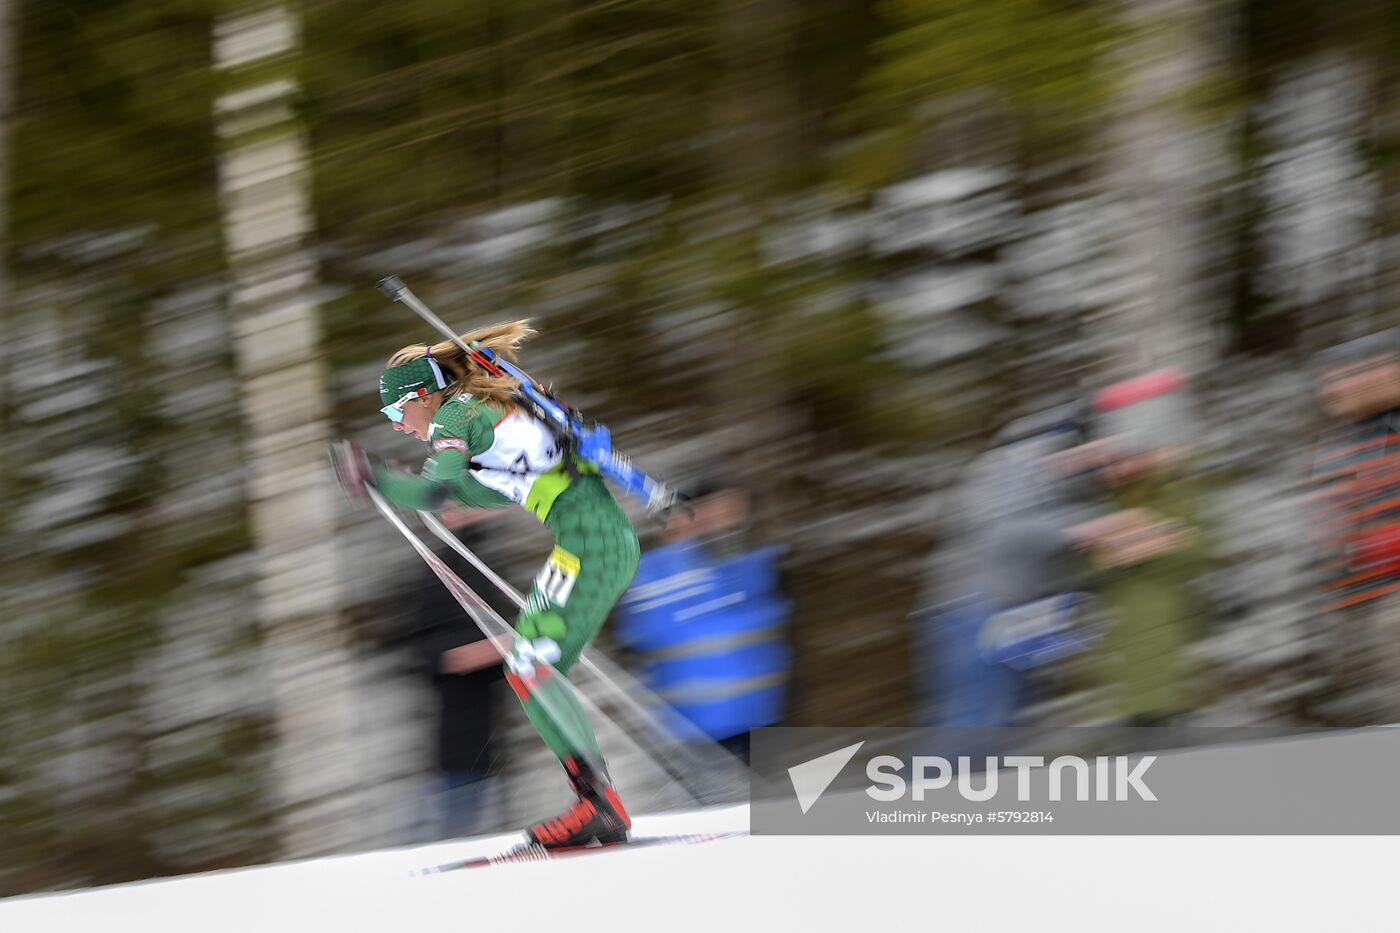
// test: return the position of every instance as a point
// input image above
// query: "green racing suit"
(486, 455)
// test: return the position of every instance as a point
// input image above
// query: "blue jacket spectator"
(709, 626)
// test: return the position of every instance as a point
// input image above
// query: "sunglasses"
(394, 411)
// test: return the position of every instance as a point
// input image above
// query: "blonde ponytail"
(464, 374)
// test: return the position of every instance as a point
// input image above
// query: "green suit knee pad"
(542, 625)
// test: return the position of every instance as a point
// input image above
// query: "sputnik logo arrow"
(811, 778)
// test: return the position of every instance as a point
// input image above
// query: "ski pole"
(679, 727)
(662, 757)
(544, 683)
(594, 441)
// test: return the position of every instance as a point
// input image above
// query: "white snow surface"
(379, 891)
(780, 883)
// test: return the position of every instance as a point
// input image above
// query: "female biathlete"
(488, 452)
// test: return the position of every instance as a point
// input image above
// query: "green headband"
(397, 381)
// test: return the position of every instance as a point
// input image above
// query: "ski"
(530, 852)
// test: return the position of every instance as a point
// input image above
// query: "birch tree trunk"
(1159, 167)
(285, 403)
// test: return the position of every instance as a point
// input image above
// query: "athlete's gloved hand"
(354, 470)
(527, 653)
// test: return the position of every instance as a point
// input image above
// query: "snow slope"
(374, 890)
(817, 883)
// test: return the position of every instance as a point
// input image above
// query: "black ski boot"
(596, 817)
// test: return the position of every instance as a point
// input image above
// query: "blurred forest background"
(826, 247)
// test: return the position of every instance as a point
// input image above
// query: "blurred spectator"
(1355, 480)
(707, 615)
(1023, 605)
(465, 671)
(1150, 552)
